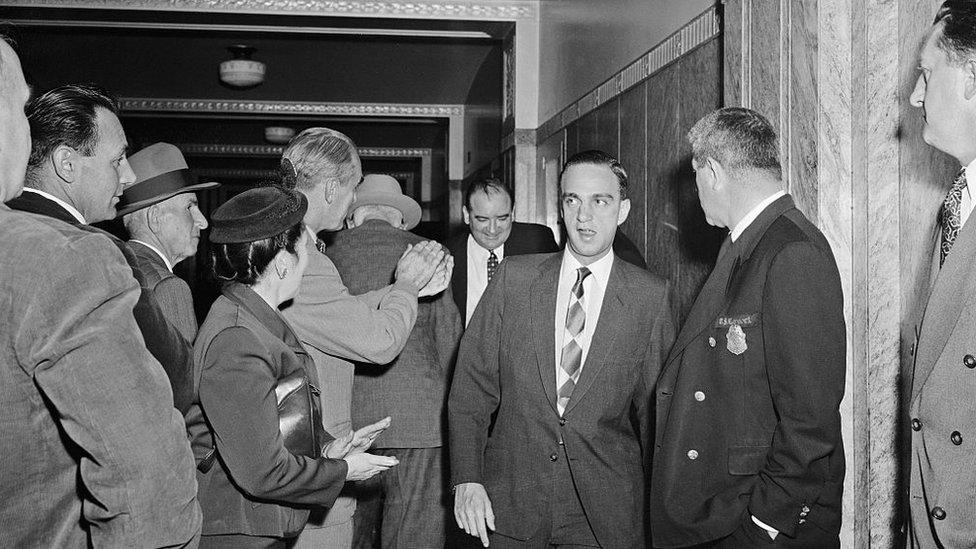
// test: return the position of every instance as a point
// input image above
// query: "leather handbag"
(299, 418)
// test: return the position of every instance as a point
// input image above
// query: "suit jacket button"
(938, 513)
(553, 456)
(692, 454)
(956, 438)
(711, 342)
(916, 424)
(969, 361)
(562, 421)
(699, 396)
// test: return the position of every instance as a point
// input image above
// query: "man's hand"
(364, 466)
(418, 263)
(442, 277)
(472, 510)
(356, 443)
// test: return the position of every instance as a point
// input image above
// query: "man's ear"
(624, 211)
(715, 174)
(152, 218)
(465, 215)
(331, 189)
(64, 160)
(969, 85)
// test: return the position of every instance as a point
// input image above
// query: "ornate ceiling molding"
(222, 106)
(255, 173)
(493, 10)
(218, 149)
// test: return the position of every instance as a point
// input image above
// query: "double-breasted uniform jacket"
(413, 387)
(506, 367)
(943, 404)
(162, 339)
(256, 486)
(525, 238)
(748, 418)
(94, 455)
(171, 292)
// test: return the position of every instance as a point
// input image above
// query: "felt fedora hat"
(384, 190)
(161, 173)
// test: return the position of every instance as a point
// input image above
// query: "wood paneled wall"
(645, 128)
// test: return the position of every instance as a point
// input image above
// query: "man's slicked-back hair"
(488, 186)
(599, 158)
(958, 38)
(738, 138)
(66, 116)
(319, 154)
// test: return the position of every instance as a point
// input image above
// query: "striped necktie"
(951, 215)
(570, 361)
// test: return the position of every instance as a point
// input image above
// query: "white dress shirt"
(155, 249)
(747, 220)
(477, 274)
(967, 203)
(71, 209)
(594, 287)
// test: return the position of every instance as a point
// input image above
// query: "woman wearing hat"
(257, 472)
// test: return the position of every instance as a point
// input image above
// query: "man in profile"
(492, 235)
(94, 455)
(558, 364)
(164, 223)
(76, 173)
(748, 449)
(412, 388)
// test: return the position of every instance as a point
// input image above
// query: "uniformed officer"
(748, 444)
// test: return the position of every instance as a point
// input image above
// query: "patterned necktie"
(570, 361)
(951, 215)
(320, 245)
(492, 264)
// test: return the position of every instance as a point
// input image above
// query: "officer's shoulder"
(794, 230)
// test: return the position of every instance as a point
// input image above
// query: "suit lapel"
(611, 313)
(543, 292)
(945, 304)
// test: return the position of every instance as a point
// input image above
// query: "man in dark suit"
(76, 173)
(164, 223)
(748, 445)
(412, 389)
(942, 401)
(492, 236)
(550, 408)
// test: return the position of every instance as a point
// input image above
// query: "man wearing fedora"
(412, 388)
(164, 223)
(76, 173)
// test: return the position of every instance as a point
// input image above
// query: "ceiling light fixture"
(242, 71)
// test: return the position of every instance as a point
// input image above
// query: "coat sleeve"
(475, 392)
(327, 317)
(237, 394)
(659, 342)
(805, 344)
(110, 397)
(447, 328)
(176, 302)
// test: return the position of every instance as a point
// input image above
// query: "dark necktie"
(570, 360)
(492, 264)
(951, 215)
(320, 245)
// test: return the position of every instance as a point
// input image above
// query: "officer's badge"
(736, 343)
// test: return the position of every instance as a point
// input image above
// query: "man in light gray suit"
(943, 390)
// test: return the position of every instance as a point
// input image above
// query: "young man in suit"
(164, 223)
(550, 407)
(412, 388)
(94, 455)
(492, 235)
(748, 449)
(76, 173)
(942, 403)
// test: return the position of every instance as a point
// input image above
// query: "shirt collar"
(161, 255)
(70, 209)
(747, 220)
(599, 269)
(481, 254)
(970, 176)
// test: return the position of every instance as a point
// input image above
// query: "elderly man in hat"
(164, 223)
(412, 388)
(76, 173)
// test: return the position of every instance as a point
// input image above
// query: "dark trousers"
(240, 541)
(404, 507)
